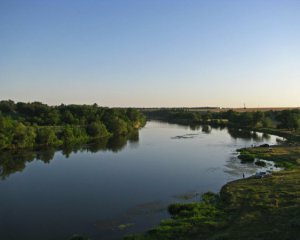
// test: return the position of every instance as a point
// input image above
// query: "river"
(110, 190)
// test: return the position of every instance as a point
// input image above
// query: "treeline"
(285, 119)
(35, 125)
(182, 116)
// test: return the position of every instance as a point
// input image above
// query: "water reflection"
(15, 161)
(247, 135)
(206, 129)
(105, 195)
(11, 162)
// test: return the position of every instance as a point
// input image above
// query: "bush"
(180, 208)
(210, 198)
(46, 136)
(97, 130)
(246, 157)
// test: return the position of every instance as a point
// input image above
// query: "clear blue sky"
(151, 52)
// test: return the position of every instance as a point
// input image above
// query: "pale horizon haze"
(151, 53)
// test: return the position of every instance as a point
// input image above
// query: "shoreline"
(246, 208)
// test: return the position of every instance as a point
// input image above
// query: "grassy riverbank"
(266, 208)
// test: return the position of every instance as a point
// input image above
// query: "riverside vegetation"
(266, 208)
(252, 208)
(36, 125)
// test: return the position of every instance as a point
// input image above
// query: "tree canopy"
(30, 125)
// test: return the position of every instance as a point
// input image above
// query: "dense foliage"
(31, 125)
(286, 119)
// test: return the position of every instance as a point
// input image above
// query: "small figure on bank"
(243, 175)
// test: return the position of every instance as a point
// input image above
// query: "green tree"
(6, 132)
(37, 124)
(289, 119)
(294, 121)
(4, 141)
(97, 130)
(67, 135)
(267, 122)
(68, 117)
(53, 117)
(117, 126)
(7, 107)
(24, 136)
(258, 117)
(46, 136)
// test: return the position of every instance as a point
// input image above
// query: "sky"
(151, 53)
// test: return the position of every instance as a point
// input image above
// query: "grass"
(286, 156)
(266, 208)
(190, 220)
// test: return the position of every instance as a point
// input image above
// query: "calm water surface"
(97, 193)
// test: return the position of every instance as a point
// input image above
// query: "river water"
(118, 187)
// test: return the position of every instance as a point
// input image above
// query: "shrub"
(246, 157)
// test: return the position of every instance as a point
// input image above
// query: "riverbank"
(252, 208)
(266, 208)
(287, 134)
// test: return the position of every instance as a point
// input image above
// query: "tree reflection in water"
(15, 161)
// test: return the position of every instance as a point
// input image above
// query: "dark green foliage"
(5, 138)
(245, 119)
(97, 130)
(46, 137)
(7, 107)
(240, 124)
(267, 122)
(53, 117)
(73, 134)
(32, 125)
(210, 198)
(134, 115)
(286, 119)
(23, 136)
(68, 118)
(180, 209)
(188, 117)
(118, 126)
(289, 119)
(246, 157)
